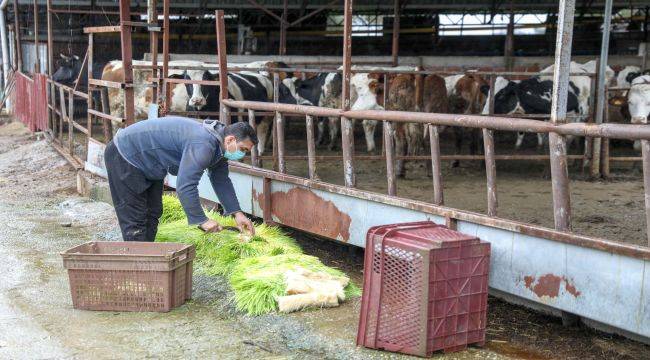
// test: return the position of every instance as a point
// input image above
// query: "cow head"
(198, 93)
(68, 71)
(288, 94)
(367, 87)
(638, 99)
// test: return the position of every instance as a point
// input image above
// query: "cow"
(247, 86)
(409, 137)
(529, 96)
(467, 94)
(638, 100)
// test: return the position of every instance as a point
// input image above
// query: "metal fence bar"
(436, 169)
(127, 60)
(613, 131)
(557, 143)
(347, 132)
(311, 147)
(254, 151)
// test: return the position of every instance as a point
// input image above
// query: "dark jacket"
(185, 148)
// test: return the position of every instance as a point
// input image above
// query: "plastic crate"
(425, 289)
(129, 276)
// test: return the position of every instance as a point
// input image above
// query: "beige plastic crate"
(129, 276)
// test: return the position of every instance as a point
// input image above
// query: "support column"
(37, 64)
(127, 61)
(397, 11)
(283, 29)
(347, 132)
(557, 143)
(600, 88)
(509, 48)
(19, 50)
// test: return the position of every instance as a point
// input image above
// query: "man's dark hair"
(241, 131)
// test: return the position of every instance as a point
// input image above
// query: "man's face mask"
(235, 155)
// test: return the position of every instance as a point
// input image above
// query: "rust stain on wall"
(549, 285)
(303, 209)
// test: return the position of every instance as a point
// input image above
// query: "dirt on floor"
(611, 209)
(44, 216)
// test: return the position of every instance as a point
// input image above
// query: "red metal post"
(222, 59)
(254, 151)
(279, 125)
(127, 61)
(490, 164)
(37, 64)
(283, 29)
(396, 28)
(347, 132)
(311, 148)
(436, 168)
(165, 67)
(152, 18)
(19, 50)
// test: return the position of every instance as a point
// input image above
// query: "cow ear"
(75, 57)
(617, 101)
(64, 57)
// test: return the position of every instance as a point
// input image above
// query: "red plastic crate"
(424, 289)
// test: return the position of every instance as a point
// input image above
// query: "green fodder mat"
(255, 268)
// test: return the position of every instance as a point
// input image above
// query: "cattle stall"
(549, 268)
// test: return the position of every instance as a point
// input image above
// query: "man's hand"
(244, 223)
(210, 226)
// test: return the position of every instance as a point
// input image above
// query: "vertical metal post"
(89, 102)
(311, 148)
(490, 164)
(50, 56)
(166, 89)
(509, 46)
(64, 115)
(152, 19)
(600, 89)
(436, 169)
(384, 102)
(390, 158)
(396, 28)
(37, 64)
(557, 143)
(279, 125)
(645, 153)
(589, 153)
(127, 59)
(605, 147)
(19, 50)
(254, 151)
(70, 120)
(347, 132)
(223, 67)
(107, 125)
(283, 29)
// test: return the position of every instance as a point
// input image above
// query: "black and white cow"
(530, 96)
(242, 86)
(638, 101)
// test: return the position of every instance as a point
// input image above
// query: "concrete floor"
(43, 216)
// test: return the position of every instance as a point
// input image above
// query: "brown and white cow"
(143, 93)
(402, 96)
(467, 95)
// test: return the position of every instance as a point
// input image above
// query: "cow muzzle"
(197, 102)
(639, 120)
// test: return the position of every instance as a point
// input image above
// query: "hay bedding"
(267, 272)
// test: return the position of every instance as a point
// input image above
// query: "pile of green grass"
(258, 281)
(255, 267)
